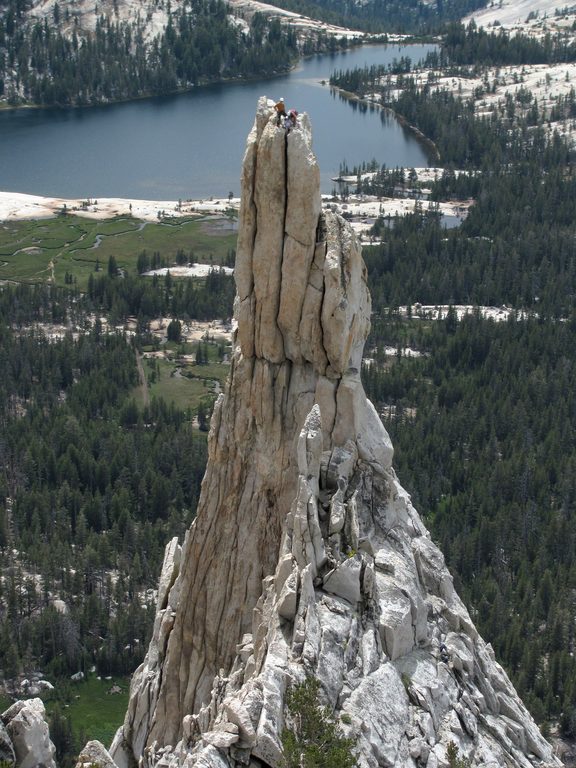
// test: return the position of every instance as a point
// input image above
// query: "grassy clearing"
(210, 371)
(179, 381)
(191, 236)
(92, 711)
(184, 385)
(49, 234)
(172, 387)
(26, 267)
(36, 251)
(113, 228)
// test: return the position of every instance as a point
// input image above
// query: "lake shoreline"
(361, 210)
(189, 146)
(424, 140)
(167, 94)
(352, 43)
(190, 88)
(19, 206)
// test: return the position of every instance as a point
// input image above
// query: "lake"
(191, 145)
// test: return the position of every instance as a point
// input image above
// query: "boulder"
(344, 580)
(27, 728)
(395, 624)
(95, 755)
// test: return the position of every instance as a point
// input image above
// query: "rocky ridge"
(307, 556)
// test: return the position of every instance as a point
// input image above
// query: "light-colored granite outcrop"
(26, 726)
(307, 556)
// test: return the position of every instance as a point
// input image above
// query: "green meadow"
(71, 247)
(68, 249)
(92, 711)
(185, 385)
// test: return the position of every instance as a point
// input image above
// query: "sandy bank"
(15, 206)
(363, 210)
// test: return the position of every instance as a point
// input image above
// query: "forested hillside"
(468, 45)
(61, 54)
(483, 420)
(92, 486)
(484, 430)
(54, 61)
(414, 16)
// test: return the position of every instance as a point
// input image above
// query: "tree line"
(475, 46)
(44, 64)
(414, 16)
(463, 51)
(91, 489)
(123, 296)
(484, 430)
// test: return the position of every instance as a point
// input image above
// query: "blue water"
(191, 145)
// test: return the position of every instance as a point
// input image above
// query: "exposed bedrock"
(307, 556)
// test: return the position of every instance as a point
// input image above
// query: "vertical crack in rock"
(306, 556)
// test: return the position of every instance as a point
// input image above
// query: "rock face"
(306, 556)
(28, 731)
(7, 755)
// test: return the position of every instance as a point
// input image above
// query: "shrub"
(312, 738)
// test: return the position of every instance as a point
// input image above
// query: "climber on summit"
(290, 120)
(280, 111)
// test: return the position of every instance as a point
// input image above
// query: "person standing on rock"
(290, 120)
(280, 111)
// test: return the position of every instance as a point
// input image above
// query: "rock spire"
(307, 556)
